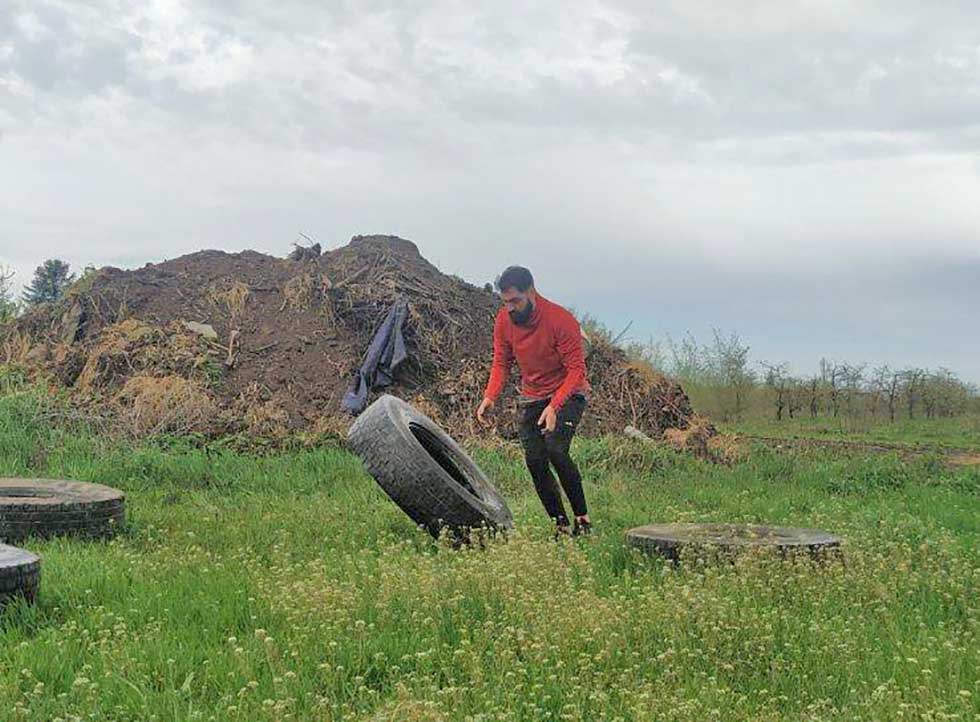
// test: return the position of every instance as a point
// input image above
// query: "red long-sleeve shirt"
(548, 351)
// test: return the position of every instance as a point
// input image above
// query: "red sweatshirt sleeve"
(568, 338)
(503, 359)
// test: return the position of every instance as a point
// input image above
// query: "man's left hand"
(548, 418)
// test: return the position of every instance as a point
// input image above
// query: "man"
(546, 342)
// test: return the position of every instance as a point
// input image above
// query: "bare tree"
(888, 384)
(830, 375)
(943, 394)
(777, 380)
(852, 378)
(913, 379)
(796, 396)
(876, 388)
(651, 352)
(813, 395)
(8, 306)
(688, 361)
(730, 365)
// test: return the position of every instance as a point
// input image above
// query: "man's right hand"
(485, 406)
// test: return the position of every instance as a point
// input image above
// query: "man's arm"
(503, 359)
(568, 339)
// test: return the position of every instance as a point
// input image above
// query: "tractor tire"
(20, 574)
(46, 508)
(424, 471)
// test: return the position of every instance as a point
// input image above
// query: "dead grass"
(150, 405)
(267, 420)
(111, 358)
(693, 439)
(16, 347)
(727, 449)
(233, 299)
(307, 292)
(330, 426)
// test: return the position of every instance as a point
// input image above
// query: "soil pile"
(221, 343)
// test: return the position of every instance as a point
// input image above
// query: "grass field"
(961, 432)
(289, 587)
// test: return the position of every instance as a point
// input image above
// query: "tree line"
(853, 390)
(723, 377)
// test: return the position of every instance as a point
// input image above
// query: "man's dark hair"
(516, 277)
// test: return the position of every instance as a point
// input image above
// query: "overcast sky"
(806, 174)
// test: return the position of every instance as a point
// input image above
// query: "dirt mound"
(248, 343)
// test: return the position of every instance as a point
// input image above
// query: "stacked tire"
(20, 574)
(46, 508)
(43, 508)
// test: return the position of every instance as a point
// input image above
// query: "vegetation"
(724, 383)
(289, 587)
(51, 279)
(8, 306)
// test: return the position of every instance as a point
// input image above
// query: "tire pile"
(43, 508)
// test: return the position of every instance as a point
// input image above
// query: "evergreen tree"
(51, 279)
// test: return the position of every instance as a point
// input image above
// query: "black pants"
(542, 450)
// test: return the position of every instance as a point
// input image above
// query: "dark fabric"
(544, 450)
(384, 354)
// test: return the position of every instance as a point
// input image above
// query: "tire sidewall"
(401, 414)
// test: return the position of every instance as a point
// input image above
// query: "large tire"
(669, 540)
(20, 574)
(424, 471)
(46, 508)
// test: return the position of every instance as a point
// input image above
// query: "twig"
(351, 278)
(230, 361)
(263, 348)
(622, 333)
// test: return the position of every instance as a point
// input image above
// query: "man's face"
(519, 304)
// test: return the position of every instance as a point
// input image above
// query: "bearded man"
(546, 341)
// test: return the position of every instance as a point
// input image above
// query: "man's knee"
(556, 446)
(535, 454)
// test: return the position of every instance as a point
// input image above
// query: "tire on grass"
(46, 508)
(673, 540)
(20, 574)
(424, 471)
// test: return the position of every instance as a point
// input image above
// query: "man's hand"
(548, 418)
(485, 406)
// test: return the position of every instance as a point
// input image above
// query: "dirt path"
(966, 458)
(955, 457)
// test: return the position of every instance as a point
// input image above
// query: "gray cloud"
(766, 167)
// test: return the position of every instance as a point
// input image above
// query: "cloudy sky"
(806, 174)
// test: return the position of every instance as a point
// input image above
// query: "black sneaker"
(561, 530)
(582, 527)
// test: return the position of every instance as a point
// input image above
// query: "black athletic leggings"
(543, 450)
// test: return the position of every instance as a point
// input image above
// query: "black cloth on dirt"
(386, 351)
(543, 450)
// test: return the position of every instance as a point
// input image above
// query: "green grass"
(961, 432)
(288, 587)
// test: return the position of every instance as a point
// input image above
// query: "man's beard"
(521, 318)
